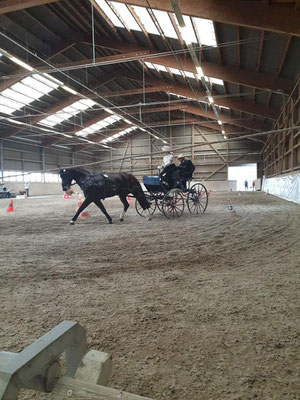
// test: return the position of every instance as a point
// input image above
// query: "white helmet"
(180, 156)
(166, 148)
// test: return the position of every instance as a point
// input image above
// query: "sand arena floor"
(198, 308)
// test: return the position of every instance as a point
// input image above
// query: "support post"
(150, 154)
(193, 142)
(124, 155)
(1, 161)
(43, 163)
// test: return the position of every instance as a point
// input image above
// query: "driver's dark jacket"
(186, 169)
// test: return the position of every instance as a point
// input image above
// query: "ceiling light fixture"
(200, 72)
(68, 89)
(21, 63)
(53, 79)
(210, 99)
(108, 110)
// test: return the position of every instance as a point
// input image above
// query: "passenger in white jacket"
(168, 166)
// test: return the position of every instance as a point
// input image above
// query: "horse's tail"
(137, 191)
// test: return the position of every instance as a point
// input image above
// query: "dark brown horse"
(97, 187)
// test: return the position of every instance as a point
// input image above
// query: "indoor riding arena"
(149, 199)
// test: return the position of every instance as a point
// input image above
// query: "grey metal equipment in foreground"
(37, 367)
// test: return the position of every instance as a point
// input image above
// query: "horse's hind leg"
(126, 205)
(84, 205)
(102, 208)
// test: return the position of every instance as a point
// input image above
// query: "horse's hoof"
(72, 223)
(110, 222)
(121, 219)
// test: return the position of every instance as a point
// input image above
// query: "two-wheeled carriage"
(171, 202)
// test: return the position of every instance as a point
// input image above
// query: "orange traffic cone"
(10, 207)
(83, 214)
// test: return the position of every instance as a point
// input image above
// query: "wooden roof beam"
(130, 92)
(256, 15)
(239, 105)
(229, 74)
(242, 122)
(128, 52)
(7, 6)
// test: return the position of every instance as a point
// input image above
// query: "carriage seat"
(152, 183)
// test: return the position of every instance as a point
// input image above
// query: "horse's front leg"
(86, 202)
(126, 206)
(102, 208)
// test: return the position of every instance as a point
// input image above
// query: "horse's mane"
(78, 169)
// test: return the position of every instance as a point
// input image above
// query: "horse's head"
(66, 179)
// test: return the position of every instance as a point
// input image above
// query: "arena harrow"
(38, 367)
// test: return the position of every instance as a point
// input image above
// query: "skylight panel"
(125, 15)
(189, 74)
(23, 89)
(10, 103)
(56, 119)
(82, 133)
(6, 110)
(165, 23)
(67, 112)
(48, 122)
(189, 30)
(146, 20)
(98, 125)
(70, 110)
(175, 71)
(11, 94)
(46, 81)
(109, 13)
(216, 81)
(102, 124)
(37, 85)
(177, 95)
(206, 31)
(110, 120)
(117, 135)
(160, 67)
(149, 65)
(81, 105)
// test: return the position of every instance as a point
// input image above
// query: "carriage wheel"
(197, 199)
(140, 209)
(173, 204)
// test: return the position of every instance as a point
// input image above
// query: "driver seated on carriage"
(172, 176)
(168, 167)
(183, 172)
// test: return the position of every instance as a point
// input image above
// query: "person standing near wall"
(26, 186)
(253, 185)
(246, 184)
